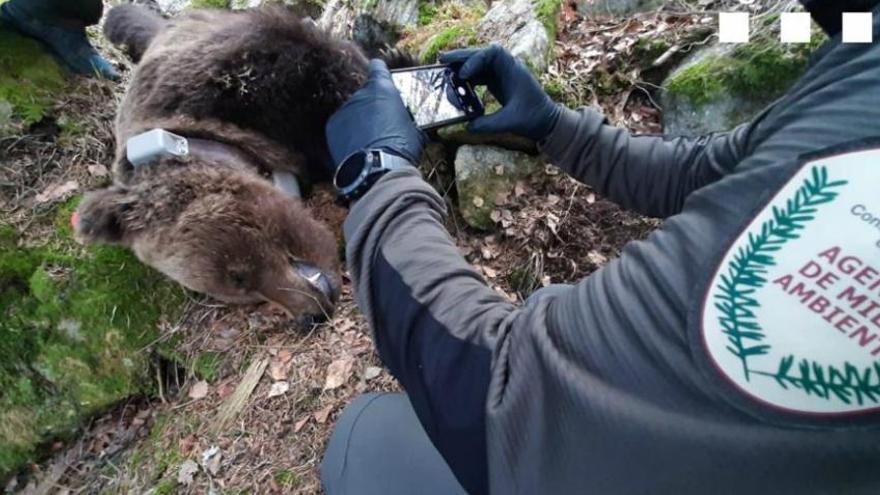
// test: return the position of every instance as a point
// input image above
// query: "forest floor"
(287, 385)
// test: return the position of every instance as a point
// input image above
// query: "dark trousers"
(86, 11)
(379, 448)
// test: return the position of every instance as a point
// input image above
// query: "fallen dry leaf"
(211, 460)
(322, 414)
(57, 191)
(187, 472)
(552, 222)
(338, 373)
(300, 424)
(280, 365)
(225, 389)
(597, 258)
(344, 325)
(188, 443)
(278, 388)
(372, 372)
(487, 253)
(199, 390)
(98, 170)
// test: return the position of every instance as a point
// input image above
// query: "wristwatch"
(360, 170)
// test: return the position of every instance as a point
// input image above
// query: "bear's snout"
(319, 280)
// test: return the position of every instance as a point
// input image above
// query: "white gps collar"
(151, 146)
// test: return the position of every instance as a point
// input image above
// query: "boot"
(70, 44)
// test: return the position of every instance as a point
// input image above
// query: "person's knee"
(337, 447)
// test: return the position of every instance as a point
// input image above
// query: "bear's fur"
(252, 91)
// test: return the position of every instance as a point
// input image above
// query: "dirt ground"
(255, 414)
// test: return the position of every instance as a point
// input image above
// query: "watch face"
(350, 170)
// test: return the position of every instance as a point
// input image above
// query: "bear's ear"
(101, 217)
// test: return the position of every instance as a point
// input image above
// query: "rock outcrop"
(721, 86)
(372, 24)
(516, 25)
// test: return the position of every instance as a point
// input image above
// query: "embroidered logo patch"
(792, 316)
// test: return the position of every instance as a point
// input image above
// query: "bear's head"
(221, 232)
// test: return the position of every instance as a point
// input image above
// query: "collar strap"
(151, 146)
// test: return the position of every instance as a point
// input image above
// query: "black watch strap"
(375, 164)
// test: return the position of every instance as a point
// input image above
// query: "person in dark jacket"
(735, 350)
(60, 24)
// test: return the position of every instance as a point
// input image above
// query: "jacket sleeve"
(652, 175)
(437, 326)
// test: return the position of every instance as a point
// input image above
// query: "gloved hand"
(374, 118)
(528, 111)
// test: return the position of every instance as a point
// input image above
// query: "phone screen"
(431, 96)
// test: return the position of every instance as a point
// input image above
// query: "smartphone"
(436, 97)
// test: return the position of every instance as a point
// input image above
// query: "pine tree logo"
(740, 291)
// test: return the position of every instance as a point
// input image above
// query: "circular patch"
(792, 315)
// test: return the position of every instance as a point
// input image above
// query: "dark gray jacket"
(608, 386)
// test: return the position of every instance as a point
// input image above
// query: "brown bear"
(251, 91)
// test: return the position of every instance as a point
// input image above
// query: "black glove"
(528, 111)
(374, 118)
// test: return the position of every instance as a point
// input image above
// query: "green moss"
(698, 83)
(548, 13)
(446, 26)
(647, 50)
(29, 77)
(210, 4)
(165, 487)
(447, 39)
(207, 365)
(73, 130)
(554, 90)
(287, 479)
(427, 11)
(761, 69)
(524, 280)
(74, 324)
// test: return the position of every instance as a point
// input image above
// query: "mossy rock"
(484, 175)
(30, 79)
(441, 27)
(723, 86)
(75, 324)
(548, 13)
(458, 135)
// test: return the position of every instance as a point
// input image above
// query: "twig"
(230, 409)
